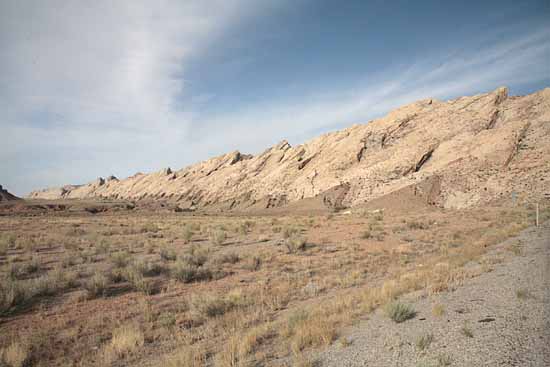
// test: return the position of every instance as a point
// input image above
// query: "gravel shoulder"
(500, 318)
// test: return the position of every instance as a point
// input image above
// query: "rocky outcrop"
(6, 196)
(480, 148)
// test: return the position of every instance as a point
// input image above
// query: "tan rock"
(481, 148)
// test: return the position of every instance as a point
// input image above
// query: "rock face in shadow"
(6, 196)
(481, 148)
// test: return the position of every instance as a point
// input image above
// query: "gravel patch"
(500, 318)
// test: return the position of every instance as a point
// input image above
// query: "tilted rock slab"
(479, 148)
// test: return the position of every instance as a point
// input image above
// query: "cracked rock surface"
(482, 148)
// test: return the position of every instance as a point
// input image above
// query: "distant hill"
(454, 154)
(6, 196)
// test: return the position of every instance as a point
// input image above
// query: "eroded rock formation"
(480, 148)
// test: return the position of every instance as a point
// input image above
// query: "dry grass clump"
(210, 305)
(239, 347)
(44, 286)
(196, 256)
(149, 227)
(415, 225)
(424, 341)
(188, 233)
(14, 293)
(187, 273)
(218, 236)
(31, 267)
(523, 294)
(120, 259)
(400, 312)
(301, 360)
(3, 247)
(188, 356)
(191, 267)
(75, 232)
(8, 240)
(168, 254)
(97, 285)
(254, 338)
(11, 295)
(17, 354)
(126, 340)
(227, 258)
(466, 331)
(309, 329)
(444, 360)
(167, 319)
(289, 232)
(245, 227)
(147, 268)
(438, 310)
(138, 282)
(295, 243)
(254, 263)
(229, 355)
(365, 235)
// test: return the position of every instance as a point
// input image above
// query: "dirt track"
(500, 318)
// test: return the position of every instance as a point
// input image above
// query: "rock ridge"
(481, 148)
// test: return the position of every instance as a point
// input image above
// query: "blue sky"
(90, 89)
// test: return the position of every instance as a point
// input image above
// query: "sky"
(99, 88)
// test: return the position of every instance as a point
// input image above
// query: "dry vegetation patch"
(227, 291)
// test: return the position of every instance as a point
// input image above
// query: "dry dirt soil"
(114, 284)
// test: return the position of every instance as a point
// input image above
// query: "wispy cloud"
(88, 79)
(478, 67)
(93, 90)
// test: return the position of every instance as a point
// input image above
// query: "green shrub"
(400, 312)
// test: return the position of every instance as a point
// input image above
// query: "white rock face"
(480, 148)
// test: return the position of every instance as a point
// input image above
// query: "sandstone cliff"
(470, 150)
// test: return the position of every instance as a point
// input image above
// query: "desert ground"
(114, 283)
